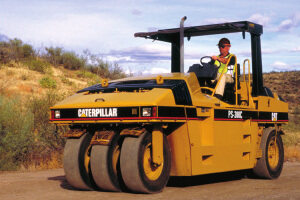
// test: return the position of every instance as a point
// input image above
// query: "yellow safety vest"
(222, 65)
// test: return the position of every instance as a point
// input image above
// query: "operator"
(221, 61)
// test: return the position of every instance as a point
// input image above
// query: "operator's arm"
(222, 60)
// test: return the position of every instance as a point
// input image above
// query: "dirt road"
(51, 184)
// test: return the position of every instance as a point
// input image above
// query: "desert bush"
(49, 142)
(4, 52)
(26, 136)
(71, 61)
(37, 65)
(28, 51)
(47, 82)
(54, 55)
(48, 139)
(104, 69)
(116, 72)
(16, 138)
(86, 74)
(15, 50)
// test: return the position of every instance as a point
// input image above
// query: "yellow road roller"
(134, 133)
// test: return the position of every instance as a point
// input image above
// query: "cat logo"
(274, 117)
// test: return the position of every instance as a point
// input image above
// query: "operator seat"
(204, 73)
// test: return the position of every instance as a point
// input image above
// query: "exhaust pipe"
(182, 44)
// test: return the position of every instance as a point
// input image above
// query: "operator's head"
(223, 43)
(224, 46)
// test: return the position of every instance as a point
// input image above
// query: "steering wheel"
(206, 60)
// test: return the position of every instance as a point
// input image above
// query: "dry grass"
(292, 153)
(286, 84)
(53, 161)
(17, 79)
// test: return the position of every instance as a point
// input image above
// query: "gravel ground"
(51, 184)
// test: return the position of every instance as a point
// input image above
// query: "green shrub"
(116, 72)
(26, 136)
(54, 55)
(4, 52)
(15, 50)
(38, 65)
(106, 69)
(16, 138)
(47, 82)
(71, 61)
(28, 51)
(86, 74)
(47, 136)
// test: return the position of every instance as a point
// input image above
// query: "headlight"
(146, 112)
(57, 114)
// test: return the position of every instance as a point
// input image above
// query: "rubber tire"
(102, 168)
(262, 168)
(73, 161)
(131, 161)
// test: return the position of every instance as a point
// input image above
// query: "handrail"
(249, 82)
(236, 81)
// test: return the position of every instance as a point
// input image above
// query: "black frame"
(173, 36)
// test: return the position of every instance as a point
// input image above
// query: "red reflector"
(52, 114)
(154, 112)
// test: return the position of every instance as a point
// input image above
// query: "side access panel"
(180, 152)
(219, 145)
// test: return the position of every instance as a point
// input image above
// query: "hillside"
(287, 84)
(18, 80)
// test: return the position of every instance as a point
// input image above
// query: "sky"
(107, 28)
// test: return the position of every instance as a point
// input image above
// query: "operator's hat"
(223, 42)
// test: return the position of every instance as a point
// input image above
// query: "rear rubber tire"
(269, 166)
(132, 165)
(105, 165)
(75, 155)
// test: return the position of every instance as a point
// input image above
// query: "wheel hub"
(273, 153)
(152, 171)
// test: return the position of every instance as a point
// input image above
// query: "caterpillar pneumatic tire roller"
(134, 133)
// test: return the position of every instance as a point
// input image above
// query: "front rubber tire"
(76, 162)
(133, 162)
(270, 165)
(105, 165)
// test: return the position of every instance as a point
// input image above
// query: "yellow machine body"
(207, 136)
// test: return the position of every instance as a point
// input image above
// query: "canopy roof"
(168, 35)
